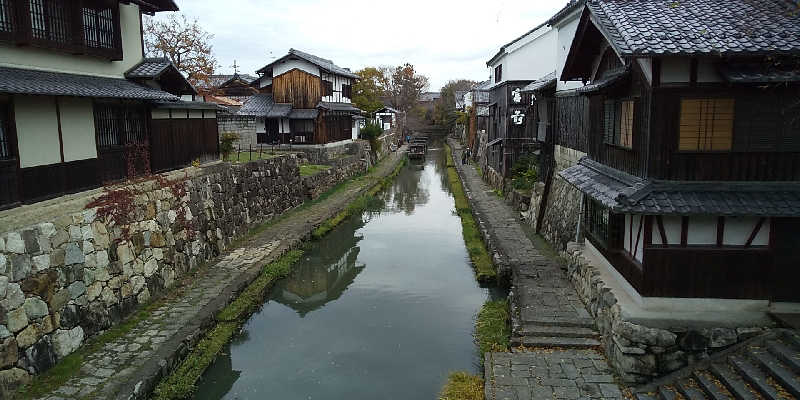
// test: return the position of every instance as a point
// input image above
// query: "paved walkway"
(556, 346)
(131, 366)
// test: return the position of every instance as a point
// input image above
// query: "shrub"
(226, 144)
(371, 131)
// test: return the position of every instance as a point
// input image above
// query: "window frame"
(327, 88)
(615, 137)
(8, 136)
(120, 124)
(698, 149)
(498, 73)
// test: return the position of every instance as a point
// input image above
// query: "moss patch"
(181, 383)
(462, 386)
(310, 169)
(493, 327)
(481, 261)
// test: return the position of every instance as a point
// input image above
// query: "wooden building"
(80, 105)
(304, 99)
(388, 118)
(692, 181)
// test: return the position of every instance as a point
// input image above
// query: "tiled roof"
(218, 80)
(149, 68)
(280, 110)
(257, 105)
(730, 27)
(624, 193)
(482, 111)
(323, 63)
(345, 107)
(541, 83)
(189, 105)
(304, 113)
(610, 80)
(758, 73)
(571, 6)
(25, 81)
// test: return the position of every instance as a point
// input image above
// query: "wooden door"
(9, 159)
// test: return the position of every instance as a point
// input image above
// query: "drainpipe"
(580, 218)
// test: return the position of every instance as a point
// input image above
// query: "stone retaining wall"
(640, 353)
(341, 170)
(244, 126)
(72, 277)
(563, 207)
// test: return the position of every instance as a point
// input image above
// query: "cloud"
(443, 39)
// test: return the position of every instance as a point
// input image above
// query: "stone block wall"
(334, 155)
(640, 353)
(244, 126)
(341, 170)
(563, 206)
(64, 280)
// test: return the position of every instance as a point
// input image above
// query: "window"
(302, 126)
(98, 27)
(618, 122)
(347, 91)
(327, 88)
(50, 20)
(6, 150)
(706, 124)
(119, 124)
(603, 225)
(6, 16)
(498, 73)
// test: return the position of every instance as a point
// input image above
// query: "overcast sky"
(443, 39)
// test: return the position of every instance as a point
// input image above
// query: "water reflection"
(382, 307)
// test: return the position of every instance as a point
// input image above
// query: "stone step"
(550, 341)
(712, 390)
(571, 322)
(644, 396)
(754, 376)
(789, 356)
(792, 339)
(667, 393)
(558, 331)
(732, 381)
(689, 390)
(783, 376)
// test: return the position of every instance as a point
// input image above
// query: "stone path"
(130, 366)
(555, 355)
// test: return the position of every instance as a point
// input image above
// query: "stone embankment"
(65, 280)
(556, 345)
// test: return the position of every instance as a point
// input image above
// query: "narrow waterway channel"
(382, 307)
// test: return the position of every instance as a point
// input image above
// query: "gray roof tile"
(650, 27)
(25, 81)
(304, 113)
(541, 83)
(624, 193)
(263, 105)
(344, 107)
(323, 63)
(149, 68)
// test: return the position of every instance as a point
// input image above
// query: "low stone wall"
(640, 353)
(563, 206)
(244, 126)
(341, 170)
(330, 154)
(66, 279)
(493, 178)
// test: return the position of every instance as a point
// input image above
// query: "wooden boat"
(417, 150)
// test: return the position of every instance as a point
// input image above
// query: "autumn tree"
(185, 43)
(370, 91)
(406, 87)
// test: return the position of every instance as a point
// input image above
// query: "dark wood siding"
(573, 122)
(177, 142)
(48, 181)
(300, 88)
(766, 137)
(333, 127)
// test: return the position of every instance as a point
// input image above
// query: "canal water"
(381, 308)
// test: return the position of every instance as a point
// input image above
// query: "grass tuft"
(481, 261)
(462, 386)
(493, 327)
(311, 169)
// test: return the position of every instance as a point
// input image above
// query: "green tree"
(406, 87)
(444, 111)
(371, 89)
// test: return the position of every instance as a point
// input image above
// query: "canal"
(382, 307)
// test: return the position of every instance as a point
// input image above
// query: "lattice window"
(498, 73)
(327, 88)
(706, 124)
(120, 124)
(302, 126)
(98, 27)
(6, 151)
(618, 117)
(598, 220)
(50, 20)
(6, 16)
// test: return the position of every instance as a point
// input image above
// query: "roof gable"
(322, 63)
(163, 71)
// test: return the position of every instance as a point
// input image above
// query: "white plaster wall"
(338, 81)
(210, 114)
(531, 58)
(702, 231)
(738, 230)
(261, 125)
(288, 65)
(356, 129)
(672, 228)
(160, 113)
(675, 70)
(284, 125)
(632, 233)
(195, 114)
(37, 130)
(77, 128)
(264, 82)
(566, 33)
(51, 60)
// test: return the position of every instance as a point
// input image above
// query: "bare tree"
(185, 43)
(406, 87)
